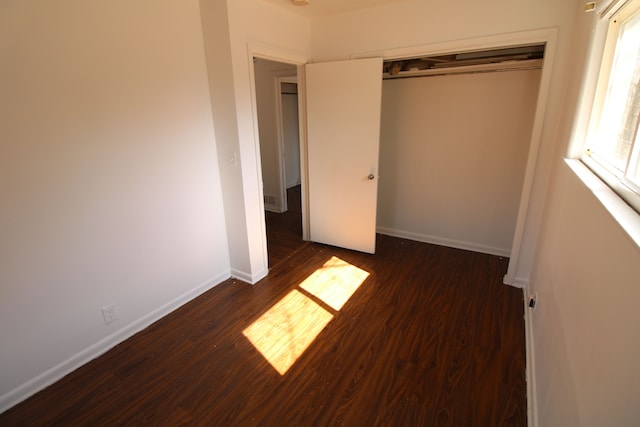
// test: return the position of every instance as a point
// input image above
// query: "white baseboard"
(272, 208)
(469, 246)
(247, 277)
(270, 203)
(532, 399)
(57, 372)
(516, 282)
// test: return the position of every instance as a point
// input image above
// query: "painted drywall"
(109, 182)
(265, 74)
(585, 326)
(427, 23)
(418, 22)
(215, 27)
(453, 151)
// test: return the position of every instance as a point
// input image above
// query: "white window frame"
(615, 14)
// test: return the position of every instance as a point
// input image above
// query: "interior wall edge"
(548, 35)
(248, 277)
(57, 372)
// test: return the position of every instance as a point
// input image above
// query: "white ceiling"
(317, 8)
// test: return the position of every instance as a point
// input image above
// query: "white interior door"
(343, 134)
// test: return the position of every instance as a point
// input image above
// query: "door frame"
(270, 53)
(279, 78)
(523, 247)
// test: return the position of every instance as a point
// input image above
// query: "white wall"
(416, 22)
(453, 151)
(268, 126)
(585, 326)
(587, 270)
(423, 23)
(109, 183)
(217, 44)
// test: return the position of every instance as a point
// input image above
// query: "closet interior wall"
(453, 154)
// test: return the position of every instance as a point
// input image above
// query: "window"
(613, 145)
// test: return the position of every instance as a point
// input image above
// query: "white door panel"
(343, 119)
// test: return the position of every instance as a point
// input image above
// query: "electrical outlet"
(110, 314)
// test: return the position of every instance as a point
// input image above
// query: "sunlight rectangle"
(285, 331)
(335, 282)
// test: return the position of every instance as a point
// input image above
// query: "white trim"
(516, 282)
(272, 208)
(275, 54)
(252, 279)
(609, 8)
(280, 77)
(262, 235)
(548, 36)
(519, 38)
(282, 185)
(532, 158)
(625, 190)
(304, 147)
(624, 214)
(271, 53)
(81, 358)
(425, 238)
(532, 397)
(589, 93)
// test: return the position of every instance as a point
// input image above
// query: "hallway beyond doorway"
(284, 230)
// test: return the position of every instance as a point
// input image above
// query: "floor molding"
(248, 277)
(425, 238)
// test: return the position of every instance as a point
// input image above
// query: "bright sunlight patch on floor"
(285, 331)
(335, 282)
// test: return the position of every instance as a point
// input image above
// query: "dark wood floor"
(284, 230)
(431, 338)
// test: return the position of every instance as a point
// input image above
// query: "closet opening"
(456, 131)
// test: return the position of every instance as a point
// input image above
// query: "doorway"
(278, 128)
(456, 131)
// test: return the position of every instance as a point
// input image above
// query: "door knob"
(371, 176)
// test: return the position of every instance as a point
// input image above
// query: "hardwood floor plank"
(431, 337)
(284, 230)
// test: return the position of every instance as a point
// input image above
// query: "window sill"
(624, 214)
